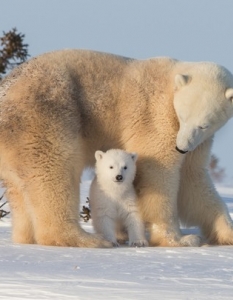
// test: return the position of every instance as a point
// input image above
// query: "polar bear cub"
(113, 198)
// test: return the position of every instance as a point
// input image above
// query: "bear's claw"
(140, 243)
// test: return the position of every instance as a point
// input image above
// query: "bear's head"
(115, 166)
(203, 101)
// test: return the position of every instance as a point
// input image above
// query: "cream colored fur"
(113, 199)
(59, 108)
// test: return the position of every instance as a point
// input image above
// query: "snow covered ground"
(39, 272)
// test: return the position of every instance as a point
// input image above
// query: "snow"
(41, 272)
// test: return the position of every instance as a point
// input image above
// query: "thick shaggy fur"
(59, 108)
(113, 199)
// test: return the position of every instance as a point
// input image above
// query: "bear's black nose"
(119, 177)
(181, 151)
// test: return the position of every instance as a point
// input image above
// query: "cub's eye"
(125, 167)
(111, 167)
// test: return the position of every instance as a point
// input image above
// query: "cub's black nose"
(119, 177)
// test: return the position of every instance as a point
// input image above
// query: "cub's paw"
(115, 244)
(138, 243)
(97, 242)
(121, 242)
(112, 241)
(190, 241)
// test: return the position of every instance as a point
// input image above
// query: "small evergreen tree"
(13, 51)
(217, 173)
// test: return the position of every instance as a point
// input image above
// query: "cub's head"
(203, 102)
(116, 166)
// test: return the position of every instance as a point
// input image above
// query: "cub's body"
(113, 198)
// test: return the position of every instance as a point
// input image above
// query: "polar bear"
(113, 198)
(57, 109)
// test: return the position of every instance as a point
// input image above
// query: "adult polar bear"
(59, 108)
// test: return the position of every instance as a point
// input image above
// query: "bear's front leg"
(199, 204)
(157, 198)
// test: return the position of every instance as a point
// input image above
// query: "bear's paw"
(190, 240)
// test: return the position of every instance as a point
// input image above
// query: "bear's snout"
(119, 177)
(181, 151)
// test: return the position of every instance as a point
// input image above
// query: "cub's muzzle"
(119, 178)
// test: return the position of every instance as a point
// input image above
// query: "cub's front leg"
(103, 218)
(135, 227)
(106, 226)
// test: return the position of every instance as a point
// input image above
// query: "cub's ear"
(99, 155)
(229, 94)
(181, 80)
(134, 156)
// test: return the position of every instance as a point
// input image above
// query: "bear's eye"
(125, 167)
(203, 127)
(111, 167)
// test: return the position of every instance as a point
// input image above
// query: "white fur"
(113, 203)
(59, 108)
(201, 114)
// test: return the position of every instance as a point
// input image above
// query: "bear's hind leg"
(22, 227)
(50, 178)
(54, 202)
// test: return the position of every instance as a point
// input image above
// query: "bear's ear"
(229, 94)
(134, 156)
(181, 80)
(99, 155)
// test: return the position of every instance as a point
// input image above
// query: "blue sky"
(194, 30)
